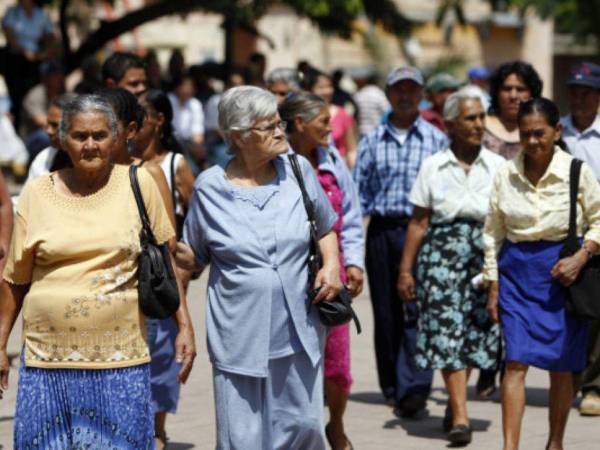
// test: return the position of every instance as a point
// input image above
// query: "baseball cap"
(405, 73)
(442, 81)
(585, 74)
(479, 73)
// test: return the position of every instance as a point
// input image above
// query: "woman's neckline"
(84, 199)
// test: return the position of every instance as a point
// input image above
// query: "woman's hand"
(328, 283)
(185, 351)
(492, 303)
(185, 258)
(406, 286)
(566, 270)
(355, 280)
(4, 370)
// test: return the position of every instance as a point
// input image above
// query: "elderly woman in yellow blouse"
(524, 234)
(84, 379)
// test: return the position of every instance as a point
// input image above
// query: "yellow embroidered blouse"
(521, 212)
(79, 255)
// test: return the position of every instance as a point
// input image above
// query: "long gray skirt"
(283, 411)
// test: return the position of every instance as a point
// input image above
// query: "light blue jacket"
(353, 238)
(239, 307)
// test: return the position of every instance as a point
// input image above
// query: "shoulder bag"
(582, 295)
(158, 294)
(339, 310)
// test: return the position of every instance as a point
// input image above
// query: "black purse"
(582, 295)
(158, 294)
(339, 310)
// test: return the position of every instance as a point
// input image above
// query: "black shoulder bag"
(339, 310)
(582, 295)
(157, 287)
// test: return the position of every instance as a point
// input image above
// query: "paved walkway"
(370, 424)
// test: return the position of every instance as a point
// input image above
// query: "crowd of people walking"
(467, 205)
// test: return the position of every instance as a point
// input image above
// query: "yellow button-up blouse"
(520, 211)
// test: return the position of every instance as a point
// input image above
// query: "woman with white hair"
(248, 221)
(444, 252)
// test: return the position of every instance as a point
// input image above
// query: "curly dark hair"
(523, 70)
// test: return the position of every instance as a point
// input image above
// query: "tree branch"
(111, 30)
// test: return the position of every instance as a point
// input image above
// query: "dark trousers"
(590, 377)
(20, 75)
(395, 323)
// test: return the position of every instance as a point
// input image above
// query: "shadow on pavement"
(179, 446)
(430, 427)
(372, 398)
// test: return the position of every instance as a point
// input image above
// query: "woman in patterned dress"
(444, 252)
(308, 121)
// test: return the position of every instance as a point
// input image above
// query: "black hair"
(546, 108)
(117, 65)
(159, 102)
(523, 70)
(179, 79)
(125, 104)
(311, 77)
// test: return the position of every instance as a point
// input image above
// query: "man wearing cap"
(439, 87)
(581, 133)
(389, 158)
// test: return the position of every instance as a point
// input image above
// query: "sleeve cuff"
(355, 261)
(490, 274)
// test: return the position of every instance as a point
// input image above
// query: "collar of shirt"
(482, 158)
(415, 128)
(326, 159)
(571, 129)
(559, 167)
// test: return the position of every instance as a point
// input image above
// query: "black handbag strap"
(173, 186)
(573, 188)
(308, 205)
(147, 233)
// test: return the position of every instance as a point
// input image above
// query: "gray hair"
(453, 102)
(241, 107)
(83, 104)
(304, 104)
(291, 77)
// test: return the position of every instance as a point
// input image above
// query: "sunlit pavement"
(370, 424)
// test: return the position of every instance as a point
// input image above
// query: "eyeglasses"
(282, 125)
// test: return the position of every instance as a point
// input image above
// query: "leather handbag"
(582, 296)
(158, 294)
(339, 310)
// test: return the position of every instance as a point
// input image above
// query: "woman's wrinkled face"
(264, 140)
(511, 94)
(538, 137)
(469, 125)
(317, 130)
(89, 141)
(323, 88)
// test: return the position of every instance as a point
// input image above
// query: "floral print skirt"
(75, 409)
(454, 328)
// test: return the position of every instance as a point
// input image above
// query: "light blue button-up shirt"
(584, 145)
(239, 306)
(352, 238)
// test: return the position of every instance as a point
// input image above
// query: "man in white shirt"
(582, 135)
(372, 103)
(188, 117)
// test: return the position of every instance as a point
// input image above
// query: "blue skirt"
(61, 409)
(163, 368)
(537, 329)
